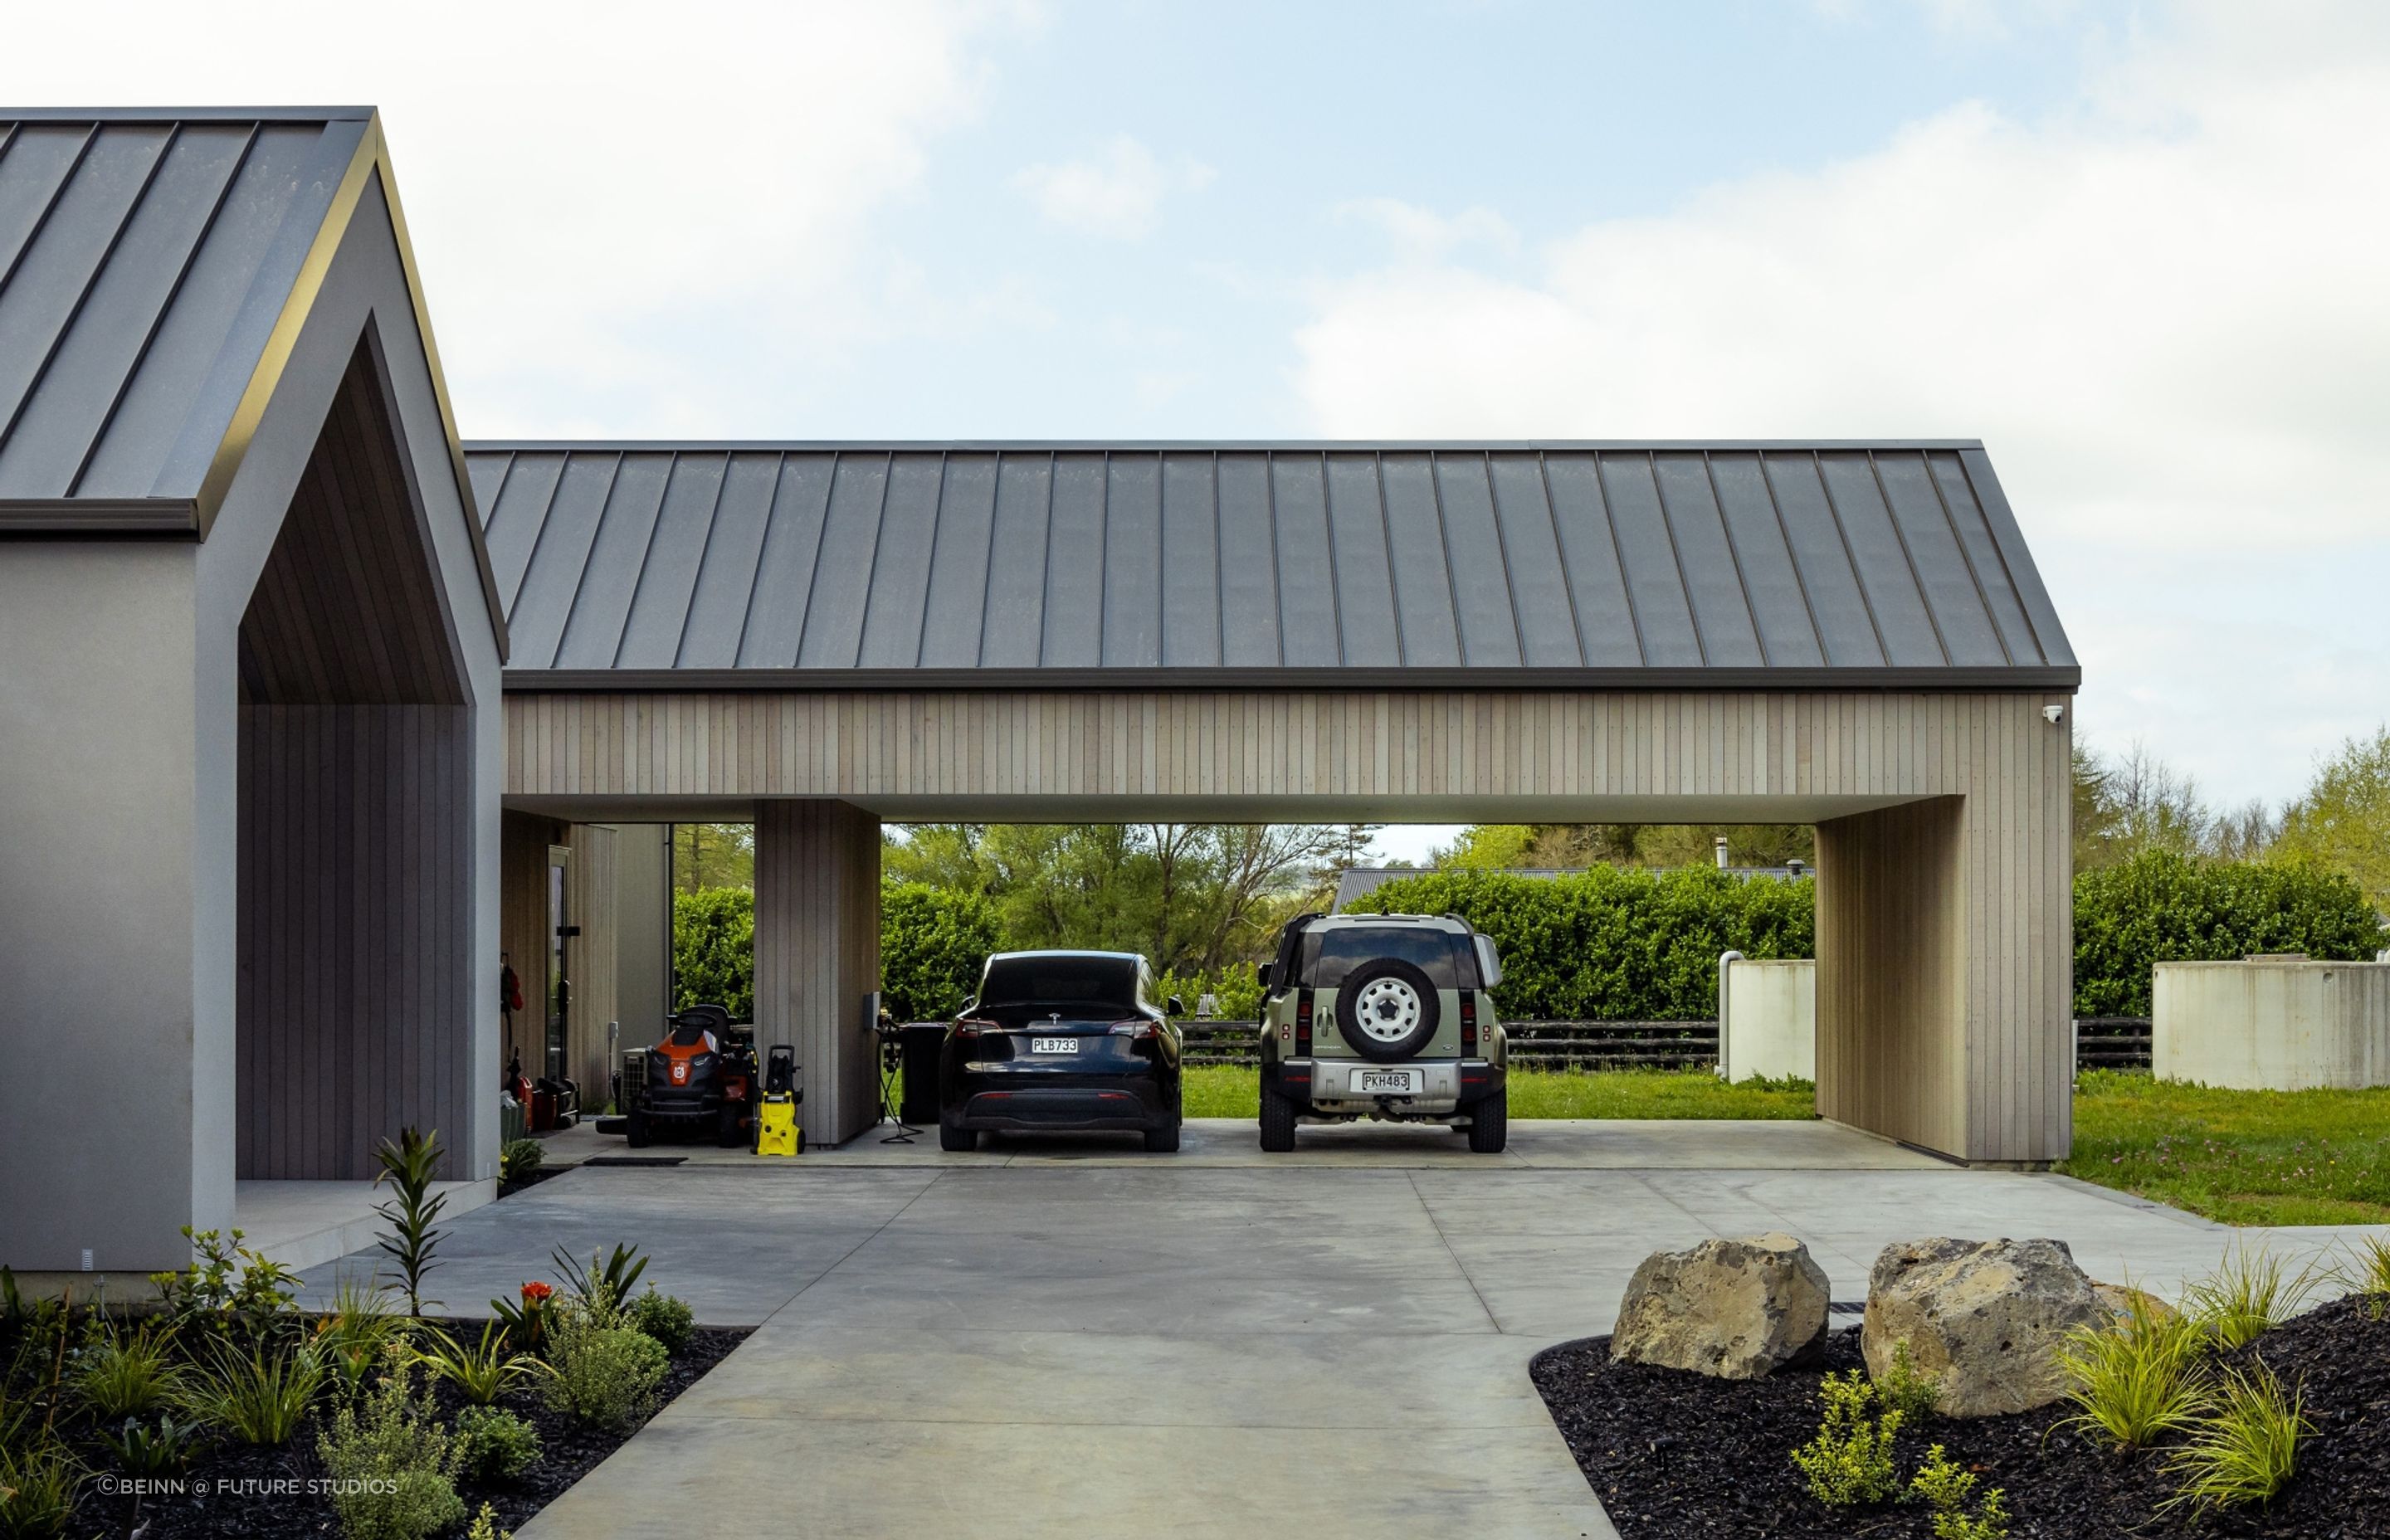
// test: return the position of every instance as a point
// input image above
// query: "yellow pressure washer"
(776, 1129)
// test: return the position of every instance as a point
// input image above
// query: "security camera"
(2053, 714)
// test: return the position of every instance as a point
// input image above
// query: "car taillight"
(1468, 1020)
(972, 1029)
(1302, 1024)
(1131, 1029)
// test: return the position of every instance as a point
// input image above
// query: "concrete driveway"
(1081, 1339)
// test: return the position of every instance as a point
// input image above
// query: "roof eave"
(2043, 680)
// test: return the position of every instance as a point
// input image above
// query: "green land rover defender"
(1386, 1017)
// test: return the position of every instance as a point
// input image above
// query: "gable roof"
(1717, 565)
(156, 268)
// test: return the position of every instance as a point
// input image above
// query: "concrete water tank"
(2271, 1024)
(1767, 1018)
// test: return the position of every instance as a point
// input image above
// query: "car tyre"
(958, 1140)
(635, 1131)
(1489, 1123)
(1278, 1118)
(1393, 985)
(1162, 1140)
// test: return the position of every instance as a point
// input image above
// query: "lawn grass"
(2242, 1157)
(1227, 1091)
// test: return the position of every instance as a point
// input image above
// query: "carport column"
(1943, 973)
(817, 953)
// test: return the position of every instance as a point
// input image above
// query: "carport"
(820, 636)
(250, 719)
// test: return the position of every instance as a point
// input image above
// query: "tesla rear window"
(1327, 955)
(1059, 982)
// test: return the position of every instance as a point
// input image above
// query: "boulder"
(1983, 1319)
(2120, 1299)
(1734, 1309)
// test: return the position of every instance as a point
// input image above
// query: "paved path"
(1060, 1340)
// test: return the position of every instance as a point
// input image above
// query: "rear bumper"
(1329, 1085)
(1034, 1101)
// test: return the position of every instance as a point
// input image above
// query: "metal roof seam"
(41, 220)
(546, 512)
(1560, 550)
(930, 568)
(1618, 559)
(1393, 574)
(1982, 596)
(1793, 555)
(1451, 581)
(704, 547)
(755, 576)
(1046, 568)
(1219, 569)
(581, 579)
(1335, 573)
(1676, 556)
(165, 308)
(2025, 581)
(647, 553)
(1104, 557)
(1858, 578)
(98, 269)
(987, 570)
(1277, 587)
(1502, 549)
(1734, 555)
(871, 566)
(1924, 596)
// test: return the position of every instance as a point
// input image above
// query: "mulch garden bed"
(1673, 1456)
(232, 1490)
(508, 1189)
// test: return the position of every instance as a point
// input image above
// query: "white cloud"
(2164, 311)
(1116, 193)
(1422, 235)
(569, 171)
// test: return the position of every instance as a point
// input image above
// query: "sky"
(2139, 250)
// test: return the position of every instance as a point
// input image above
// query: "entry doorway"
(561, 931)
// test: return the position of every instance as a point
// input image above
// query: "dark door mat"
(634, 1160)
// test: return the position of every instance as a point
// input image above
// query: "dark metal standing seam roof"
(1723, 565)
(154, 268)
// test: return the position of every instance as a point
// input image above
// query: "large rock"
(1984, 1319)
(1735, 1309)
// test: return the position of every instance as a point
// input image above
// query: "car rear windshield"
(1327, 955)
(1061, 983)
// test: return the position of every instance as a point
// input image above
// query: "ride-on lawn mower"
(701, 1077)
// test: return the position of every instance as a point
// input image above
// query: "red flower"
(536, 1292)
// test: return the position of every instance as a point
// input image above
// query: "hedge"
(2161, 907)
(713, 950)
(1614, 942)
(932, 943)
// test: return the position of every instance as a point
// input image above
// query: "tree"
(713, 950)
(2342, 819)
(1574, 847)
(712, 855)
(2160, 906)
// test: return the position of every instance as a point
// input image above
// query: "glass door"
(561, 929)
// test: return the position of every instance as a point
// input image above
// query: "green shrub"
(119, 1373)
(1850, 1460)
(604, 1375)
(2138, 1380)
(934, 941)
(409, 1164)
(1237, 989)
(1615, 944)
(485, 1526)
(1915, 1396)
(663, 1317)
(2245, 1449)
(394, 1467)
(165, 1450)
(713, 950)
(1944, 1487)
(259, 1395)
(356, 1333)
(519, 1159)
(2161, 907)
(600, 1287)
(227, 1288)
(495, 1444)
(2366, 1274)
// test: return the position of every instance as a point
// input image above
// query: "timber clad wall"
(1945, 925)
(817, 953)
(354, 934)
(1490, 743)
